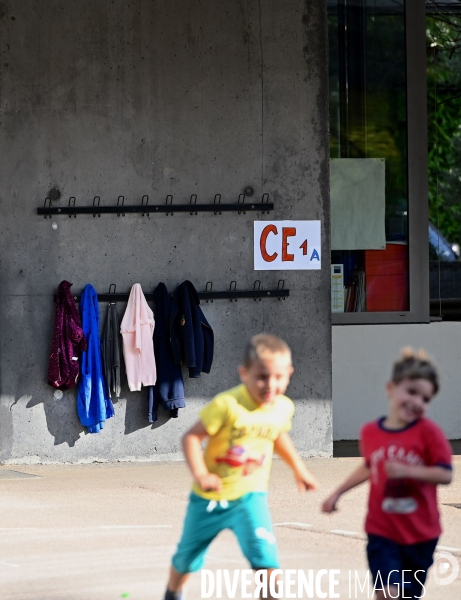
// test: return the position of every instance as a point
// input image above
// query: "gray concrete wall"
(157, 97)
(362, 363)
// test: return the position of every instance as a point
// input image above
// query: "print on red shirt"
(399, 494)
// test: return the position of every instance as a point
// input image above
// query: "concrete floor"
(107, 531)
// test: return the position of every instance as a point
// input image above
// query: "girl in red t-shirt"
(406, 457)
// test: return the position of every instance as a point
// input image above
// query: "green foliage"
(443, 35)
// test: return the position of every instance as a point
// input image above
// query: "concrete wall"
(157, 97)
(362, 363)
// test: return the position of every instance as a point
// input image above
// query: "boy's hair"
(415, 365)
(263, 345)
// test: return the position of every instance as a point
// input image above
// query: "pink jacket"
(137, 329)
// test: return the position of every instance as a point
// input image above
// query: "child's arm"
(284, 447)
(397, 470)
(194, 456)
(357, 477)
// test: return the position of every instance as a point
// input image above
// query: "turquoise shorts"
(248, 517)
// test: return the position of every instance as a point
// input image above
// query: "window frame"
(418, 209)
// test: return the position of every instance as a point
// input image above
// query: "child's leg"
(265, 591)
(385, 562)
(417, 559)
(252, 525)
(391, 592)
(177, 580)
(410, 563)
(202, 523)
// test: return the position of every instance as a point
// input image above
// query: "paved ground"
(107, 531)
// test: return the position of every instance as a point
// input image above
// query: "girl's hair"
(415, 365)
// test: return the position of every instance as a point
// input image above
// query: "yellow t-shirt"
(241, 442)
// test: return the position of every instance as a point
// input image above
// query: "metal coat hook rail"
(168, 208)
(232, 294)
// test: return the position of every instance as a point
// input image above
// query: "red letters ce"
(286, 233)
(262, 243)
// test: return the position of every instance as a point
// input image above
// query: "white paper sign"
(287, 245)
(358, 202)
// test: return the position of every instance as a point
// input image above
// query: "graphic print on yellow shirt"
(241, 442)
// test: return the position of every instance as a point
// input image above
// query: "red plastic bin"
(386, 277)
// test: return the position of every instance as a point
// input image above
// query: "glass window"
(443, 38)
(368, 138)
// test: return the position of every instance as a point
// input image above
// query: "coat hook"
(49, 206)
(265, 200)
(120, 202)
(209, 288)
(193, 200)
(112, 292)
(98, 199)
(146, 198)
(233, 288)
(169, 202)
(281, 286)
(72, 205)
(217, 200)
(256, 289)
(241, 200)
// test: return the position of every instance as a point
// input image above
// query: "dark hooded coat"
(192, 339)
(169, 389)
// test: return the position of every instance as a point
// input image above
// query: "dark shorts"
(388, 560)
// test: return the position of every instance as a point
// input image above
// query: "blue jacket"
(93, 404)
(169, 389)
(192, 338)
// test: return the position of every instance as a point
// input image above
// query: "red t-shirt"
(403, 510)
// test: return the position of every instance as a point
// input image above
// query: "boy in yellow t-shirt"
(243, 426)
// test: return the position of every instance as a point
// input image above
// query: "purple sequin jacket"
(68, 341)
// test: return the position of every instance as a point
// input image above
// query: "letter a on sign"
(287, 245)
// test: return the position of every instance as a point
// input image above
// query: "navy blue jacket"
(169, 389)
(192, 338)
